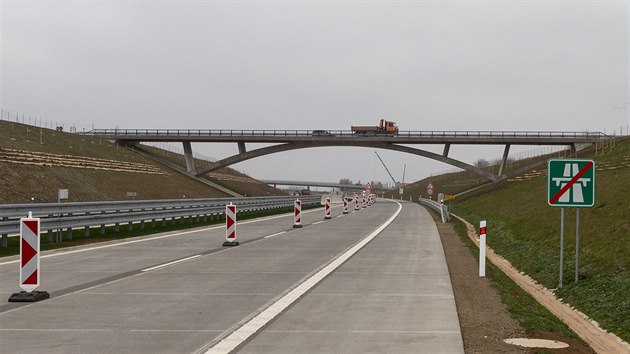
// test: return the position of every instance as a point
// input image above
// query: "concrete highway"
(374, 280)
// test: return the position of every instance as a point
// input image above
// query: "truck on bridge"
(385, 127)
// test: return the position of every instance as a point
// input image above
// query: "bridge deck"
(341, 137)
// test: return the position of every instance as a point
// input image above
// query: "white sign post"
(482, 248)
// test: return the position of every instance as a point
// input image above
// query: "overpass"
(313, 184)
(286, 140)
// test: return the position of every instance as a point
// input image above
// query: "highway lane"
(71, 269)
(393, 296)
(108, 299)
(102, 301)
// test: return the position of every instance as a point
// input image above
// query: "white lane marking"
(317, 222)
(229, 343)
(180, 294)
(157, 237)
(276, 234)
(410, 332)
(171, 263)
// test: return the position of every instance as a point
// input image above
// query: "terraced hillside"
(37, 162)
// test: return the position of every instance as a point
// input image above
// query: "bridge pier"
(241, 147)
(190, 160)
(447, 147)
(504, 161)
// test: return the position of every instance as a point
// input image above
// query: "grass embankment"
(79, 238)
(524, 230)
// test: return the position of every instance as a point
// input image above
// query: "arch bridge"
(286, 140)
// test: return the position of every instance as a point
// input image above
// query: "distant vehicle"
(306, 192)
(321, 133)
(384, 127)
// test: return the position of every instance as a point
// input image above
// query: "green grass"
(524, 230)
(520, 304)
(79, 238)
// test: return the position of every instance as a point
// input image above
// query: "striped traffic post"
(345, 204)
(356, 201)
(29, 262)
(327, 209)
(363, 200)
(230, 225)
(482, 248)
(297, 214)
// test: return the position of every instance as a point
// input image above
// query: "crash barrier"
(440, 208)
(59, 216)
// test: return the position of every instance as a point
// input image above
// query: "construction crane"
(387, 169)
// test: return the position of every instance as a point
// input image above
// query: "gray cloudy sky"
(319, 65)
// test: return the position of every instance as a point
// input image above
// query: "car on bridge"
(321, 133)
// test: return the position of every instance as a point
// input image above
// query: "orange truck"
(384, 127)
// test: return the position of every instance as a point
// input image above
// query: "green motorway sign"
(571, 183)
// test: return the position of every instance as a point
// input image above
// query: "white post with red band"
(29, 262)
(363, 200)
(356, 201)
(327, 209)
(297, 214)
(230, 225)
(345, 204)
(482, 248)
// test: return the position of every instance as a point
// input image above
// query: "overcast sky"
(319, 65)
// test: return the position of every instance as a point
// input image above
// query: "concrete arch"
(378, 145)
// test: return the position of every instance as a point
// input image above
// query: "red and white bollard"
(297, 214)
(363, 200)
(356, 201)
(327, 209)
(482, 248)
(29, 262)
(345, 204)
(230, 225)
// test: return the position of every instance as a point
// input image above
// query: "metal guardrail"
(309, 133)
(440, 208)
(55, 216)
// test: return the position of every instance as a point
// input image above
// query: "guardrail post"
(70, 230)
(87, 231)
(163, 222)
(49, 236)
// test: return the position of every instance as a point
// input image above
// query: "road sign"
(29, 253)
(430, 188)
(297, 214)
(230, 225)
(29, 262)
(571, 183)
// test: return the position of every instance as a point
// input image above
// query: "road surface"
(335, 286)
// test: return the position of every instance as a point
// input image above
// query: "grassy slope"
(526, 231)
(18, 183)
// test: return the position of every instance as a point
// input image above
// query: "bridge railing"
(341, 133)
(55, 216)
(440, 208)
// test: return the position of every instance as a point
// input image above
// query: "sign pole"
(482, 248)
(577, 244)
(561, 244)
